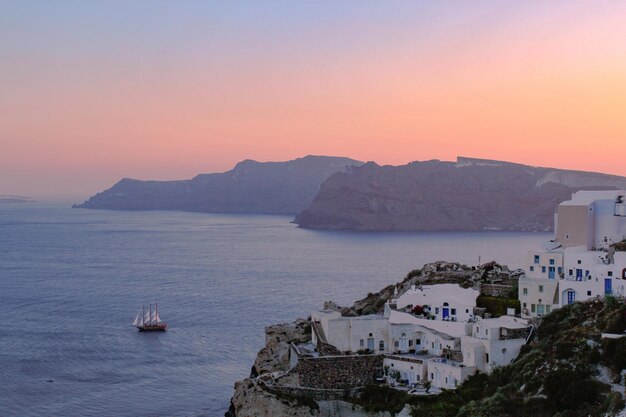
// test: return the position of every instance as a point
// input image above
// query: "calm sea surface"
(71, 282)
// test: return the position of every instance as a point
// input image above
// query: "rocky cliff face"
(469, 195)
(251, 187)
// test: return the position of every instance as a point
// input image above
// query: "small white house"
(449, 302)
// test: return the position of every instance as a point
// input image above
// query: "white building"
(444, 352)
(579, 263)
(444, 301)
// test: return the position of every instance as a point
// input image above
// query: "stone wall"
(317, 394)
(339, 372)
(496, 290)
(507, 334)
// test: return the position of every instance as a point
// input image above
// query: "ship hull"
(153, 328)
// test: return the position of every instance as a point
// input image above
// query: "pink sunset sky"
(91, 92)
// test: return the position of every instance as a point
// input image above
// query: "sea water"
(72, 280)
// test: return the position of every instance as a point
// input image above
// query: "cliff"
(251, 187)
(469, 195)
(568, 369)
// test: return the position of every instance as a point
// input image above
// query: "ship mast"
(150, 314)
(143, 315)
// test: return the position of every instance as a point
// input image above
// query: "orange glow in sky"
(91, 93)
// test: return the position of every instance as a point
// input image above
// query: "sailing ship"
(149, 320)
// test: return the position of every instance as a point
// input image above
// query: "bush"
(381, 398)
(497, 306)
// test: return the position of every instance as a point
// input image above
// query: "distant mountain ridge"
(467, 195)
(250, 187)
(15, 199)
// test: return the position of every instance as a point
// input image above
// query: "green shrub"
(497, 306)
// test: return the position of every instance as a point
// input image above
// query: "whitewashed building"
(579, 263)
(444, 352)
(449, 302)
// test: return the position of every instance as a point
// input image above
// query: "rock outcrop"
(251, 187)
(274, 356)
(469, 195)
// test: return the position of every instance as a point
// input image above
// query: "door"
(370, 344)
(551, 272)
(445, 312)
(608, 286)
(571, 297)
(404, 343)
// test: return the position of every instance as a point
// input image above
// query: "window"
(370, 335)
(410, 342)
(532, 268)
(467, 310)
(536, 259)
(540, 309)
(487, 357)
(541, 288)
(579, 262)
(524, 305)
(587, 273)
(589, 293)
(560, 270)
(396, 344)
(418, 342)
(486, 331)
(571, 272)
(436, 310)
(548, 308)
(431, 376)
(453, 311)
(543, 269)
(551, 261)
(381, 345)
(525, 290)
(432, 345)
(610, 273)
(362, 343)
(566, 236)
(579, 274)
(532, 308)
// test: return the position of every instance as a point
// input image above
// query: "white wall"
(445, 374)
(411, 371)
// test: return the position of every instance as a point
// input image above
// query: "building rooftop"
(508, 322)
(447, 329)
(586, 197)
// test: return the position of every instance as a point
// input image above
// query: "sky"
(91, 92)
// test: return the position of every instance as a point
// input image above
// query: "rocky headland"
(568, 369)
(251, 187)
(466, 195)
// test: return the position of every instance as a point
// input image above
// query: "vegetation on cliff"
(555, 375)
